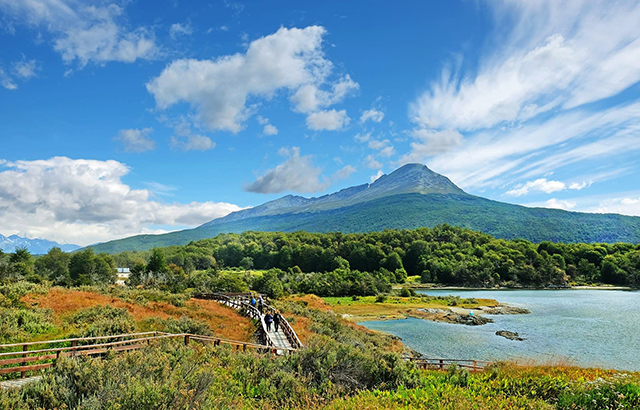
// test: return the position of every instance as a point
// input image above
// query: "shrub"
(183, 325)
(19, 324)
(102, 321)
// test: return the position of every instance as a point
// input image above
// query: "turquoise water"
(594, 328)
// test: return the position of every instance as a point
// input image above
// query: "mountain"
(412, 196)
(35, 246)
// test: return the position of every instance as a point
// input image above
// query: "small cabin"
(123, 275)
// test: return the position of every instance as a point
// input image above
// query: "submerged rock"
(509, 335)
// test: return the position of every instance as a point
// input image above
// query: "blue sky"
(124, 117)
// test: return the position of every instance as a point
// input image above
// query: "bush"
(101, 321)
(381, 298)
(17, 325)
(183, 325)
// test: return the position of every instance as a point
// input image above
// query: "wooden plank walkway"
(18, 383)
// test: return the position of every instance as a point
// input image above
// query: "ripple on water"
(596, 328)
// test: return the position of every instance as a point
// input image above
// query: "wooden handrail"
(76, 339)
(135, 341)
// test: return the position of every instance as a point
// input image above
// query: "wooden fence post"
(24, 349)
(73, 351)
(186, 340)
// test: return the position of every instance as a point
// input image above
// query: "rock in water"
(510, 335)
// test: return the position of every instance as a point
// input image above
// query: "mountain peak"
(416, 178)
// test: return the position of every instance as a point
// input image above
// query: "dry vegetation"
(223, 321)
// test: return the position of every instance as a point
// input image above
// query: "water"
(590, 328)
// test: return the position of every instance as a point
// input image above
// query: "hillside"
(411, 197)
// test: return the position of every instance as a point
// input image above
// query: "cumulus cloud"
(377, 175)
(6, 81)
(541, 185)
(192, 142)
(343, 172)
(218, 89)
(311, 98)
(430, 143)
(330, 120)
(371, 162)
(84, 32)
(560, 204)
(371, 115)
(296, 174)
(270, 129)
(25, 69)
(177, 30)
(136, 140)
(86, 201)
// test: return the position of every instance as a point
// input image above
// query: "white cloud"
(560, 204)
(343, 172)
(362, 137)
(192, 142)
(136, 140)
(177, 30)
(311, 98)
(430, 143)
(6, 81)
(330, 120)
(25, 69)
(218, 89)
(387, 151)
(578, 186)
(296, 174)
(372, 163)
(556, 56)
(378, 144)
(270, 129)
(546, 57)
(372, 114)
(540, 185)
(84, 32)
(538, 147)
(375, 177)
(86, 201)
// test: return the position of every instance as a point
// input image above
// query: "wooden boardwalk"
(28, 358)
(285, 338)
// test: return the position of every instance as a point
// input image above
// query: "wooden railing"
(442, 364)
(245, 299)
(23, 360)
(238, 302)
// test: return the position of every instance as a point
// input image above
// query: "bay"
(583, 327)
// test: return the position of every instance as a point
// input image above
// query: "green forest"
(336, 264)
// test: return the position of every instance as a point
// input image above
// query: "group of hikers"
(271, 317)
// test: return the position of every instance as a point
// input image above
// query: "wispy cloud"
(539, 98)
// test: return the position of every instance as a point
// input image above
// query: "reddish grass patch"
(225, 322)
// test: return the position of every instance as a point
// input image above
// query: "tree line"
(336, 264)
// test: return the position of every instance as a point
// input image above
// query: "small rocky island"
(510, 335)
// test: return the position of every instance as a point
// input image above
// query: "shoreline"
(580, 287)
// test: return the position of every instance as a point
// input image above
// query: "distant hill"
(412, 196)
(35, 246)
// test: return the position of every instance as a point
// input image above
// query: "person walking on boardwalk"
(260, 304)
(276, 321)
(268, 319)
(253, 301)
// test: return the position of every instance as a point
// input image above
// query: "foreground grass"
(327, 374)
(395, 307)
